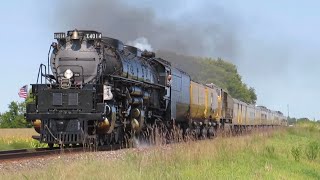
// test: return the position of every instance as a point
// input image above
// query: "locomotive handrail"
(40, 73)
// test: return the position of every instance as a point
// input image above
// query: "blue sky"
(276, 48)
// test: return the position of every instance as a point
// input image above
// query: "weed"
(270, 151)
(296, 152)
(312, 150)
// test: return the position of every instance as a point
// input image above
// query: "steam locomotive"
(102, 91)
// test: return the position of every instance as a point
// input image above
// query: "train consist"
(102, 91)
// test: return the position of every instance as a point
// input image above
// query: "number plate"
(59, 35)
(93, 35)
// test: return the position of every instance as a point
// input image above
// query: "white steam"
(141, 43)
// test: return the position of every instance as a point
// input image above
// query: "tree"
(303, 119)
(14, 117)
(253, 95)
(292, 120)
(218, 71)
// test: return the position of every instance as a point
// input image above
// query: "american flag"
(23, 93)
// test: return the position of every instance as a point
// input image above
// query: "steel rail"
(40, 152)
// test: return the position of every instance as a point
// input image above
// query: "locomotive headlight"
(68, 74)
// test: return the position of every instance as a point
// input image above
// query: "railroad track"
(30, 153)
(41, 152)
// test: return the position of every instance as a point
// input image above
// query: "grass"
(18, 139)
(261, 155)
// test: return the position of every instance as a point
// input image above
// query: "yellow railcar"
(205, 102)
(198, 102)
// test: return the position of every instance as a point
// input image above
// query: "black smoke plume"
(214, 36)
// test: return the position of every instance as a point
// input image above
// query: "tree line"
(293, 120)
(217, 71)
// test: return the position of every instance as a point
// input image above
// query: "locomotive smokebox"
(77, 52)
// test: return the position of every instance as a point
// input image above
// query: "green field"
(291, 153)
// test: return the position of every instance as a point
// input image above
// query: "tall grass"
(18, 139)
(261, 155)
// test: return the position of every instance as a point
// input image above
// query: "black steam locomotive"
(102, 91)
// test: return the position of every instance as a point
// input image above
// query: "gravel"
(41, 162)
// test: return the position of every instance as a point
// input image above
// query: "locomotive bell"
(75, 35)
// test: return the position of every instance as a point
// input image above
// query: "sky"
(274, 44)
